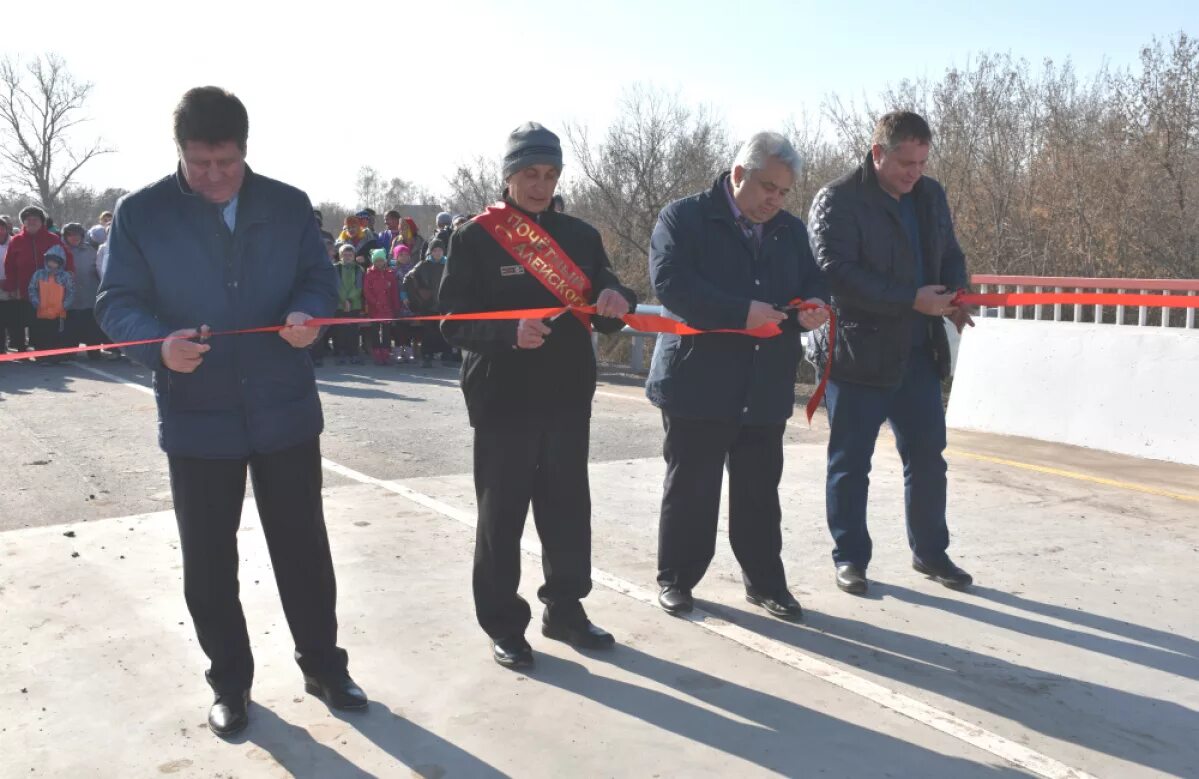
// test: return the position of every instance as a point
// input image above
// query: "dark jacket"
(548, 386)
(706, 272)
(421, 284)
(172, 264)
(859, 240)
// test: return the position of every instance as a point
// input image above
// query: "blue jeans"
(917, 418)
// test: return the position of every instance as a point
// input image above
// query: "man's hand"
(960, 318)
(934, 300)
(295, 333)
(762, 314)
(812, 318)
(531, 333)
(611, 303)
(181, 355)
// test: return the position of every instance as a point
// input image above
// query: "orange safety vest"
(50, 294)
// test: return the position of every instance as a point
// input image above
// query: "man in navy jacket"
(216, 247)
(730, 258)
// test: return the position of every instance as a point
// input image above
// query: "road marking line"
(967, 732)
(1124, 485)
(117, 379)
(970, 733)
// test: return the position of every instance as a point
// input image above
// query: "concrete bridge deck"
(1077, 652)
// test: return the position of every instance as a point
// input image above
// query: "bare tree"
(40, 104)
(657, 150)
(475, 185)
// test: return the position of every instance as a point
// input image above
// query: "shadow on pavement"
(780, 735)
(1157, 734)
(1165, 660)
(423, 752)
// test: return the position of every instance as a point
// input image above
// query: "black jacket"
(421, 285)
(859, 241)
(548, 386)
(706, 272)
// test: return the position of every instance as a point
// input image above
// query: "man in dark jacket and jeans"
(727, 259)
(528, 386)
(217, 245)
(884, 236)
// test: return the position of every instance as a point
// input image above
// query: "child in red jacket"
(379, 293)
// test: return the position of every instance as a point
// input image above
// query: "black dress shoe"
(582, 635)
(676, 600)
(851, 578)
(512, 652)
(340, 692)
(948, 574)
(784, 605)
(229, 713)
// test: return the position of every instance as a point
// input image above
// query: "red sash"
(539, 254)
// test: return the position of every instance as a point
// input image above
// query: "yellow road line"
(1124, 485)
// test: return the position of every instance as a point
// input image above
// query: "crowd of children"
(389, 274)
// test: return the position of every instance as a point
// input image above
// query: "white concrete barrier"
(1132, 390)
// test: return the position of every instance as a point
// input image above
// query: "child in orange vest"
(51, 292)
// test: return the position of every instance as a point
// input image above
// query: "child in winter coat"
(51, 293)
(406, 334)
(349, 305)
(379, 292)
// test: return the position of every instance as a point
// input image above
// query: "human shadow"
(295, 749)
(1155, 733)
(1153, 657)
(23, 377)
(363, 392)
(771, 732)
(423, 752)
(1172, 642)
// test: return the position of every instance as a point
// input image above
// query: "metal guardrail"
(989, 283)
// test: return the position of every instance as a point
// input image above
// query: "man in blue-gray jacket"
(217, 247)
(730, 258)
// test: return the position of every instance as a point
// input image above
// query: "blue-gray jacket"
(706, 272)
(172, 264)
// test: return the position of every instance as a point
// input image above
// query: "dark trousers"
(378, 335)
(697, 452)
(208, 496)
(513, 467)
(13, 321)
(431, 341)
(48, 334)
(346, 337)
(917, 417)
(82, 328)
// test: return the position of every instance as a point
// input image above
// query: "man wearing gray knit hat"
(528, 386)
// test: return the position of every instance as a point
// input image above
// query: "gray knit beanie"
(531, 144)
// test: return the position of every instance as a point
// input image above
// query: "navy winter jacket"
(706, 272)
(173, 264)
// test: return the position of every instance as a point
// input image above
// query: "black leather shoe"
(582, 635)
(851, 578)
(676, 600)
(949, 574)
(340, 692)
(229, 713)
(512, 652)
(784, 605)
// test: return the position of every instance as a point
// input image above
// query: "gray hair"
(755, 152)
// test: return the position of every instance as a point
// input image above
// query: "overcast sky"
(412, 88)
